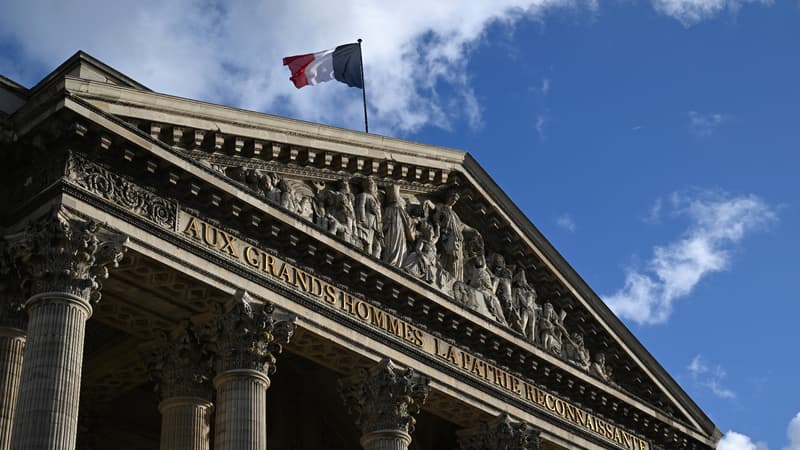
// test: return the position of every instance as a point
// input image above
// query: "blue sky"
(655, 143)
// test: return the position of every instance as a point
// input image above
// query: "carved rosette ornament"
(250, 337)
(501, 433)
(66, 254)
(383, 401)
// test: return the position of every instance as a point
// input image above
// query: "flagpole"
(363, 87)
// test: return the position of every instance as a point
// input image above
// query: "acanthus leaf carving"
(61, 252)
(181, 363)
(250, 335)
(384, 396)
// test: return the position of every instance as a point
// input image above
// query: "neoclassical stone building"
(183, 275)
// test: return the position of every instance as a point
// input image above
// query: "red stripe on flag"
(297, 65)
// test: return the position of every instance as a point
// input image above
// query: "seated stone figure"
(551, 330)
(576, 352)
(599, 368)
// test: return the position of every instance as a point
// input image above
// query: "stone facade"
(268, 283)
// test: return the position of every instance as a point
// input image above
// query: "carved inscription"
(320, 290)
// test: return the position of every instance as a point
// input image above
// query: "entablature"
(212, 182)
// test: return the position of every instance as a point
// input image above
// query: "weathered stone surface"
(249, 339)
(501, 433)
(383, 401)
(63, 258)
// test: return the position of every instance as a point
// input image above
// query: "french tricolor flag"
(342, 63)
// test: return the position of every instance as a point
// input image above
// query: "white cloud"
(230, 52)
(690, 12)
(718, 222)
(545, 86)
(711, 378)
(541, 122)
(737, 441)
(566, 222)
(793, 432)
(654, 214)
(702, 125)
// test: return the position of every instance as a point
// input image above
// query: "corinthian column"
(183, 368)
(62, 258)
(12, 344)
(249, 339)
(383, 401)
(501, 433)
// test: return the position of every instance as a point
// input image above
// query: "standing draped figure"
(368, 218)
(451, 237)
(397, 228)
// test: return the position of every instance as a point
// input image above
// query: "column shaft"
(47, 407)
(185, 423)
(386, 440)
(12, 344)
(241, 417)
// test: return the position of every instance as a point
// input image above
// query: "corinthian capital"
(385, 396)
(64, 253)
(501, 433)
(250, 336)
(181, 364)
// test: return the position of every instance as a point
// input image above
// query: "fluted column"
(249, 339)
(384, 400)
(501, 433)
(63, 258)
(12, 345)
(182, 367)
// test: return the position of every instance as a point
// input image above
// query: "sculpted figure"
(422, 261)
(483, 287)
(525, 305)
(551, 328)
(576, 352)
(288, 200)
(368, 218)
(397, 228)
(503, 275)
(451, 238)
(599, 368)
(269, 185)
(342, 215)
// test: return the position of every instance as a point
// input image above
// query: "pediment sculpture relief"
(424, 236)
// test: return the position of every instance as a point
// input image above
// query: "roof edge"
(81, 57)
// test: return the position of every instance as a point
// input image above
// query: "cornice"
(94, 101)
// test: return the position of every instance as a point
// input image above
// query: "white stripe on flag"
(321, 68)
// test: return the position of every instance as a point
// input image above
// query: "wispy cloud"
(654, 214)
(718, 222)
(541, 123)
(691, 12)
(545, 86)
(705, 124)
(566, 222)
(710, 377)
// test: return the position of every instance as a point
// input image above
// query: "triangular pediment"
(431, 218)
